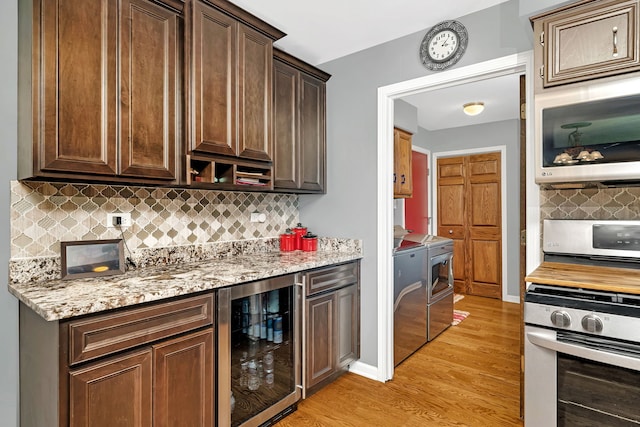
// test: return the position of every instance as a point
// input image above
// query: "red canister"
(288, 241)
(300, 231)
(309, 242)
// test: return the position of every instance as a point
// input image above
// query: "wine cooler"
(260, 344)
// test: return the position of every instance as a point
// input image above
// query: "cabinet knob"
(450, 231)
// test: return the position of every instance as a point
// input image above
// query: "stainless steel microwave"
(589, 133)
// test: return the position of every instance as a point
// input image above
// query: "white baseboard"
(364, 370)
(512, 298)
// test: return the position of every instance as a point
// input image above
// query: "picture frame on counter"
(91, 258)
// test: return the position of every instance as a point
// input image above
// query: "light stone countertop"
(61, 299)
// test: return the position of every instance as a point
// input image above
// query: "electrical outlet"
(258, 217)
(124, 219)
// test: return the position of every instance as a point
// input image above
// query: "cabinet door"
(213, 81)
(286, 161)
(312, 133)
(595, 40)
(183, 381)
(255, 63)
(403, 184)
(321, 338)
(348, 325)
(149, 90)
(74, 87)
(114, 392)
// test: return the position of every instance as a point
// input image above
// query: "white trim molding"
(521, 63)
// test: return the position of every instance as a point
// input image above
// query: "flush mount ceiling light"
(473, 108)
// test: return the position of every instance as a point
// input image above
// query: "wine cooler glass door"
(259, 326)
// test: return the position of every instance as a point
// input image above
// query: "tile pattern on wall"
(591, 203)
(43, 214)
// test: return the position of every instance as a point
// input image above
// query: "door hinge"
(523, 237)
(523, 111)
(542, 38)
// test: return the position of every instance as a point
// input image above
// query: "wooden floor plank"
(468, 376)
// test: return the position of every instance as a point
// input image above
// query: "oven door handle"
(544, 340)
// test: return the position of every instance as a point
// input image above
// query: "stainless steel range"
(582, 326)
(423, 291)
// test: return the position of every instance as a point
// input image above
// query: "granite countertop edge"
(61, 299)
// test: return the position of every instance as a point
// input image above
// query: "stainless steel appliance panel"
(582, 348)
(439, 315)
(410, 302)
(574, 98)
(440, 272)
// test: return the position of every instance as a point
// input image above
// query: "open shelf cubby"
(228, 174)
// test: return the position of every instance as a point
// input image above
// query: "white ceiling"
(442, 109)
(319, 32)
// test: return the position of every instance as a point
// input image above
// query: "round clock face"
(443, 45)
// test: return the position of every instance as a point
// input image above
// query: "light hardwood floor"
(468, 376)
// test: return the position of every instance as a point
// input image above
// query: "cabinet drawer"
(100, 335)
(333, 277)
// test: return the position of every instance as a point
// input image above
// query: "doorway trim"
(513, 64)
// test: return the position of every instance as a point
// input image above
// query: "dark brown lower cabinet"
(115, 392)
(168, 384)
(183, 392)
(150, 365)
(154, 364)
(333, 323)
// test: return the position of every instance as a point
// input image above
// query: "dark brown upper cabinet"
(231, 64)
(587, 40)
(104, 99)
(299, 125)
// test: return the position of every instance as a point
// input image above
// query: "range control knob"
(560, 319)
(592, 323)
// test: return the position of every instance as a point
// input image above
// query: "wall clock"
(443, 45)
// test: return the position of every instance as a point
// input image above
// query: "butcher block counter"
(624, 280)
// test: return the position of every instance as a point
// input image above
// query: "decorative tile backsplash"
(591, 203)
(43, 214)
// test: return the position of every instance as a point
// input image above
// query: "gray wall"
(8, 165)
(405, 116)
(349, 209)
(505, 133)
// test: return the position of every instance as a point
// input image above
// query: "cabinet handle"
(404, 179)
(542, 38)
(615, 42)
(542, 71)
(394, 177)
